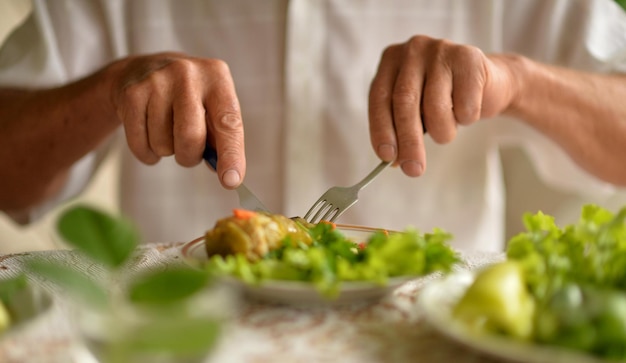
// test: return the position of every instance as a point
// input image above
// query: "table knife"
(247, 199)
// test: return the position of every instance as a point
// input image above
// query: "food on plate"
(253, 234)
(498, 300)
(321, 254)
(558, 286)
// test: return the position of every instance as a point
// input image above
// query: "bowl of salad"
(559, 296)
(276, 259)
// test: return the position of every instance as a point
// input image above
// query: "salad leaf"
(592, 251)
(576, 276)
(333, 258)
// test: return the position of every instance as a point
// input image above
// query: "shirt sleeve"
(46, 50)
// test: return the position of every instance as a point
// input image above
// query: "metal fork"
(337, 200)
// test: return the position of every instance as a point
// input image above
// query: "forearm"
(582, 112)
(44, 132)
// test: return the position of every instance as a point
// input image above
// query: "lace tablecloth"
(392, 330)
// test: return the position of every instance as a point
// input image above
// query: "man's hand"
(172, 104)
(439, 84)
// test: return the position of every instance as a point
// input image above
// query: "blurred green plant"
(8, 289)
(156, 297)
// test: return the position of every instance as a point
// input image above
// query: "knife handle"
(210, 156)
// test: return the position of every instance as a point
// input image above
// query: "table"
(392, 330)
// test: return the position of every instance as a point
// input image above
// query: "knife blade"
(247, 199)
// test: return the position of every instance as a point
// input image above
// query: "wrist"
(520, 71)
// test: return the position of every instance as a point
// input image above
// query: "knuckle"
(379, 93)
(229, 120)
(390, 51)
(420, 44)
(467, 53)
(183, 69)
(220, 65)
(132, 94)
(407, 147)
(408, 143)
(405, 95)
(216, 66)
(418, 41)
(437, 109)
(468, 114)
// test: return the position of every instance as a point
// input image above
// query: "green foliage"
(167, 286)
(103, 238)
(9, 287)
(110, 242)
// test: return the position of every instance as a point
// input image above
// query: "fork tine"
(313, 208)
(336, 200)
(323, 209)
(332, 211)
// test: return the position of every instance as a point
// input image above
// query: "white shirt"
(302, 69)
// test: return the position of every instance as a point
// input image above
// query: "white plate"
(301, 293)
(436, 302)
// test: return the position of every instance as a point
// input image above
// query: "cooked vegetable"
(252, 234)
(243, 213)
(498, 301)
(325, 257)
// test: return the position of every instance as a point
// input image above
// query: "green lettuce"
(333, 258)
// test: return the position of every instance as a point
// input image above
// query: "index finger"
(381, 126)
(407, 116)
(226, 133)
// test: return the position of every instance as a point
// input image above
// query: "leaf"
(167, 286)
(100, 236)
(72, 281)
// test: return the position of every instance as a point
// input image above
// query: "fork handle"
(383, 164)
(368, 179)
(210, 156)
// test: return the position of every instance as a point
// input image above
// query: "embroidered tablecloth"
(392, 330)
